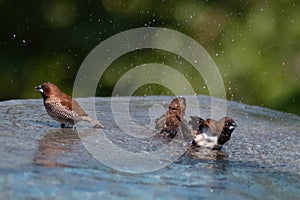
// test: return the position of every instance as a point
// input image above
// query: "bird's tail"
(195, 122)
(89, 119)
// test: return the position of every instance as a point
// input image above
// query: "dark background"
(255, 44)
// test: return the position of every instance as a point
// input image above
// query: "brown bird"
(62, 107)
(210, 133)
(173, 120)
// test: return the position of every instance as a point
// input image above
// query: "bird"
(63, 108)
(173, 120)
(211, 133)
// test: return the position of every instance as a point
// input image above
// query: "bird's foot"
(67, 126)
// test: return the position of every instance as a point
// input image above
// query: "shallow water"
(40, 160)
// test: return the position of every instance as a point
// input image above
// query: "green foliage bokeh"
(255, 44)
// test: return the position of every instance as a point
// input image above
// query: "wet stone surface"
(41, 160)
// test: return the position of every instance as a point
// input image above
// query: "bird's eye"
(45, 88)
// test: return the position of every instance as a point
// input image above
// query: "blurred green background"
(255, 44)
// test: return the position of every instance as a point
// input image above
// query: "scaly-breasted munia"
(173, 120)
(210, 133)
(62, 107)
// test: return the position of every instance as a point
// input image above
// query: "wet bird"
(210, 133)
(173, 120)
(62, 107)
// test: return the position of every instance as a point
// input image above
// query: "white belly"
(203, 140)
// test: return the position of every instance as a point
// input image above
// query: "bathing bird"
(63, 108)
(211, 133)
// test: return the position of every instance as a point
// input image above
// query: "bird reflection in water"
(54, 146)
(203, 153)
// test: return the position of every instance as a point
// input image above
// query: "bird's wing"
(187, 132)
(171, 122)
(194, 122)
(198, 124)
(168, 124)
(213, 127)
(77, 108)
(160, 122)
(72, 104)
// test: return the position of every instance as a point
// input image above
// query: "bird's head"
(178, 104)
(47, 89)
(229, 125)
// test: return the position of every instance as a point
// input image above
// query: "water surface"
(38, 159)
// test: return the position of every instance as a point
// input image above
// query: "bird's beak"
(233, 126)
(39, 88)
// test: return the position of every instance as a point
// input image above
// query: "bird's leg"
(67, 126)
